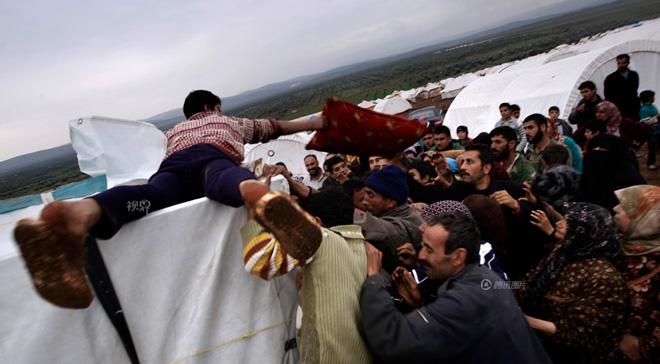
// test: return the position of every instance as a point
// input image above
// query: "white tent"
(455, 85)
(395, 105)
(536, 86)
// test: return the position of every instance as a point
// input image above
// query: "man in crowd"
(478, 161)
(337, 172)
(443, 141)
(316, 176)
(503, 145)
(509, 120)
(426, 143)
(390, 222)
(469, 322)
(586, 108)
(536, 129)
(331, 330)
(621, 88)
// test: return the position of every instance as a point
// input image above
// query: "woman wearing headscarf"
(575, 298)
(608, 166)
(638, 220)
(633, 133)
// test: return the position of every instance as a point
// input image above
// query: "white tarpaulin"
(179, 276)
(126, 151)
(288, 149)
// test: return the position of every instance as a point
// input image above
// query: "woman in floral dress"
(575, 298)
(638, 219)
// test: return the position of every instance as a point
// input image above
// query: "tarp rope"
(232, 341)
(11, 222)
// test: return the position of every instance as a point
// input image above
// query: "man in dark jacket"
(475, 318)
(621, 88)
(586, 108)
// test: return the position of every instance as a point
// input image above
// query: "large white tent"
(551, 79)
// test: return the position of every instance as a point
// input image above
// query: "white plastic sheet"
(127, 152)
(179, 276)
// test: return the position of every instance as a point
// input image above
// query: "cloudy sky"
(60, 60)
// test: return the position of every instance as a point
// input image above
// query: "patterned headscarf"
(590, 233)
(444, 206)
(613, 116)
(642, 205)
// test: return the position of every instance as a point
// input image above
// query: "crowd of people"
(528, 244)
(555, 253)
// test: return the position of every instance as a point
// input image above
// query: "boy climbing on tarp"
(202, 159)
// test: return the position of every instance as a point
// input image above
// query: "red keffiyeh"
(354, 130)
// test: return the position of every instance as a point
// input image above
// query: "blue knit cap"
(390, 181)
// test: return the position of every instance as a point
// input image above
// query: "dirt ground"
(652, 177)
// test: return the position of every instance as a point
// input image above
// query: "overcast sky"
(60, 60)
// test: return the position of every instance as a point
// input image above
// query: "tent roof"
(395, 105)
(540, 82)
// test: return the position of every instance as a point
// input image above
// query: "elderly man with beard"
(316, 176)
(470, 321)
(538, 135)
(503, 145)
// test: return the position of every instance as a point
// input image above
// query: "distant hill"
(283, 89)
(32, 160)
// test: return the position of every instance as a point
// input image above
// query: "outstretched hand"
(407, 287)
(374, 259)
(319, 123)
(529, 196)
(503, 197)
(540, 220)
(407, 255)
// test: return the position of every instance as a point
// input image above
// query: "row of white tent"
(541, 81)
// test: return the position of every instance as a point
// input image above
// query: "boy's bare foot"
(53, 249)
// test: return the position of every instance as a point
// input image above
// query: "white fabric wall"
(289, 149)
(126, 151)
(180, 279)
